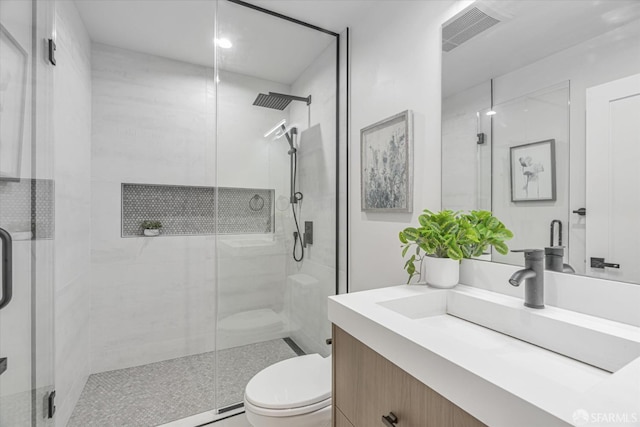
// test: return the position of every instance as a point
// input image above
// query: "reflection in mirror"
(523, 171)
(534, 71)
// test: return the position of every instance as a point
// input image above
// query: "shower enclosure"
(162, 112)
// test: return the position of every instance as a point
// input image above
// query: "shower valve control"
(308, 233)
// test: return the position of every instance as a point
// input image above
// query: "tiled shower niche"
(27, 208)
(187, 210)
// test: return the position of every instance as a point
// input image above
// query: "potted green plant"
(151, 228)
(442, 239)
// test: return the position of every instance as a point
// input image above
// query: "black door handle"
(390, 420)
(599, 263)
(581, 211)
(7, 262)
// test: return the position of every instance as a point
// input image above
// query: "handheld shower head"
(285, 131)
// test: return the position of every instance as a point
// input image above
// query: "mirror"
(540, 109)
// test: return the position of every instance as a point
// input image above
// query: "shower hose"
(297, 196)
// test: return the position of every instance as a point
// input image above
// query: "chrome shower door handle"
(7, 263)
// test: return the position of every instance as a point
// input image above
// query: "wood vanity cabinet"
(366, 387)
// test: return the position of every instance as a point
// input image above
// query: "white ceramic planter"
(151, 233)
(441, 273)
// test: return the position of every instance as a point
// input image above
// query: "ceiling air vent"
(465, 27)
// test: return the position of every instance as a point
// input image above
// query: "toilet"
(292, 393)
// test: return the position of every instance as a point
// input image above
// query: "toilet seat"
(286, 412)
(300, 385)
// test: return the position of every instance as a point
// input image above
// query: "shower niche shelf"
(191, 210)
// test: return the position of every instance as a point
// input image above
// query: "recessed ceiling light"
(223, 43)
(490, 113)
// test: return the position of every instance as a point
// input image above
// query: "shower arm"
(306, 100)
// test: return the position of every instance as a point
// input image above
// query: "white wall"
(72, 113)
(152, 298)
(395, 61)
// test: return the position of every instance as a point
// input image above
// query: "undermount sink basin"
(602, 343)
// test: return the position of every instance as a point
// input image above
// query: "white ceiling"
(532, 30)
(332, 15)
(264, 46)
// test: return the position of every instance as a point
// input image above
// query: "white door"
(613, 179)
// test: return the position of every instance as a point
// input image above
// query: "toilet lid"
(292, 383)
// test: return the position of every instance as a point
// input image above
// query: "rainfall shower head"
(278, 101)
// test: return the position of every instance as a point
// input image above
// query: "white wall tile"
(150, 121)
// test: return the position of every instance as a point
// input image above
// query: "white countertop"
(500, 380)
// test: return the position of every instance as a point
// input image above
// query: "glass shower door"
(26, 215)
(276, 202)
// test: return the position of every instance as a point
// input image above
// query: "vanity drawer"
(367, 387)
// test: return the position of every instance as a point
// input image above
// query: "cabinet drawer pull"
(390, 420)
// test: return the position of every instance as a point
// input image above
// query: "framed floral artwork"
(386, 150)
(533, 171)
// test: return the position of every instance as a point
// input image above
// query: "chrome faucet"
(553, 260)
(533, 276)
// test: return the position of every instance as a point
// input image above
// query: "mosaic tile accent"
(186, 210)
(245, 210)
(161, 392)
(28, 205)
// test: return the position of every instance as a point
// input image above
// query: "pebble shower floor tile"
(157, 393)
